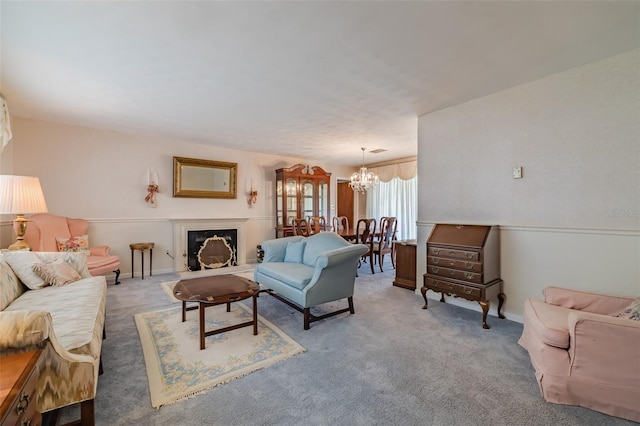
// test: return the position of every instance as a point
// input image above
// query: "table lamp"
(20, 195)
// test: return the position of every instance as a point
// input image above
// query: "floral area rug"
(178, 369)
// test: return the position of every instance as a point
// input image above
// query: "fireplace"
(209, 246)
(211, 249)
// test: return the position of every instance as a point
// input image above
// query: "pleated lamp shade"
(21, 195)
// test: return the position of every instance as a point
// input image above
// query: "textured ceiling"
(310, 79)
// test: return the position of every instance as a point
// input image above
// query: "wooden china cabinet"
(301, 192)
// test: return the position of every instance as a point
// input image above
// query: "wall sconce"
(152, 187)
(253, 196)
(5, 123)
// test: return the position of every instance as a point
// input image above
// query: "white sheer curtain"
(397, 198)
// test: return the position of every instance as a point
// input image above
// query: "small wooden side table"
(142, 247)
(18, 382)
(405, 264)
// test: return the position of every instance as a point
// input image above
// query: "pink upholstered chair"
(43, 229)
(583, 354)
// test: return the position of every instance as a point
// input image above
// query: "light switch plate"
(517, 172)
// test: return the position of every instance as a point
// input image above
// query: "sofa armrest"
(274, 250)
(99, 250)
(19, 329)
(604, 348)
(331, 258)
(586, 301)
(332, 268)
(32, 329)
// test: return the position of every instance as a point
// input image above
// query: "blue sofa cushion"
(294, 252)
(297, 275)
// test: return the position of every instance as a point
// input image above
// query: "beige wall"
(574, 219)
(101, 176)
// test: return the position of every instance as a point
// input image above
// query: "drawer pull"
(467, 290)
(469, 265)
(451, 252)
(26, 423)
(23, 403)
(459, 226)
(436, 261)
(435, 251)
(450, 285)
(453, 272)
(435, 270)
(452, 263)
(468, 276)
(469, 255)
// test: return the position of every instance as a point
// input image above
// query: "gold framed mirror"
(195, 178)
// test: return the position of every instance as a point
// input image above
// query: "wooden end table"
(217, 290)
(18, 382)
(141, 247)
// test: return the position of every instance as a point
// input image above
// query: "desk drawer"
(453, 253)
(455, 264)
(453, 288)
(455, 274)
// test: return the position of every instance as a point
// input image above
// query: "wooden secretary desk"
(301, 192)
(464, 261)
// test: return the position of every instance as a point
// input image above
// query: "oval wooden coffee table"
(217, 290)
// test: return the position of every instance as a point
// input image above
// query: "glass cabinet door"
(307, 189)
(292, 200)
(323, 199)
(279, 204)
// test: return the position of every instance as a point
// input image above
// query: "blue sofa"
(307, 271)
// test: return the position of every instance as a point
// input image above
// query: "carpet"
(167, 286)
(177, 369)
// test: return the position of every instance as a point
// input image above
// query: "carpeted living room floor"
(392, 363)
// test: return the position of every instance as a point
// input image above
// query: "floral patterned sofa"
(65, 320)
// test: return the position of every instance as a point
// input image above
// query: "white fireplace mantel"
(181, 228)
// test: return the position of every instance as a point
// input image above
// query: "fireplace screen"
(212, 249)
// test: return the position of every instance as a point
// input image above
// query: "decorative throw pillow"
(77, 260)
(79, 243)
(632, 312)
(57, 272)
(22, 264)
(294, 252)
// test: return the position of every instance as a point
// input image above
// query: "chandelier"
(363, 180)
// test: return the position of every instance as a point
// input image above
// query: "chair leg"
(307, 317)
(117, 272)
(371, 261)
(381, 260)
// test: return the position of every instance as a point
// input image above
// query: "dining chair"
(384, 244)
(365, 230)
(301, 227)
(317, 223)
(339, 223)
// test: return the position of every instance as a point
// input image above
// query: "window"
(398, 198)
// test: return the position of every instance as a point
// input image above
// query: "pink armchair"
(582, 353)
(43, 229)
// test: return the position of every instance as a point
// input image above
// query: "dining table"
(350, 234)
